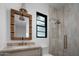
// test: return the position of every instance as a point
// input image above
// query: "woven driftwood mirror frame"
(24, 14)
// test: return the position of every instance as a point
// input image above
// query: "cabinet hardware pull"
(65, 41)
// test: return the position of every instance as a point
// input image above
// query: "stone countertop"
(18, 48)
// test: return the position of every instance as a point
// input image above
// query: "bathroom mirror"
(21, 25)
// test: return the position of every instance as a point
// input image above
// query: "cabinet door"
(32, 52)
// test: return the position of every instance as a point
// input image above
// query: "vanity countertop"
(18, 48)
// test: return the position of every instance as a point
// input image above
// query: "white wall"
(5, 21)
(2, 26)
(32, 9)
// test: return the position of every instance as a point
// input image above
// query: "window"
(41, 25)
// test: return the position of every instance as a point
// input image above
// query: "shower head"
(57, 22)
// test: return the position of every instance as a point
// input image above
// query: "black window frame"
(45, 16)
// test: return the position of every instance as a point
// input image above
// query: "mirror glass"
(21, 27)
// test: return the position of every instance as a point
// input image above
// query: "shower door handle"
(65, 41)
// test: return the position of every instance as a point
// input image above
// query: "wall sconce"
(22, 10)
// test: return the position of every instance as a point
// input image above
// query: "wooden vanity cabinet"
(24, 52)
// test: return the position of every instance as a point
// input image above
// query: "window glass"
(41, 25)
(41, 28)
(41, 18)
(41, 34)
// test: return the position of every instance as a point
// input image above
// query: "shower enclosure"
(64, 37)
